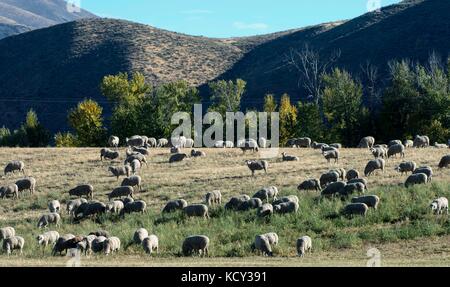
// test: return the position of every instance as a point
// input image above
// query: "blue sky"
(230, 18)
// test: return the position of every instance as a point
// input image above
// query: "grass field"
(403, 229)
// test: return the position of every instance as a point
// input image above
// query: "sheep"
(352, 174)
(189, 143)
(316, 145)
(304, 244)
(255, 165)
(135, 166)
(195, 244)
(438, 145)
(406, 167)
(46, 219)
(286, 207)
(378, 152)
(115, 206)
(136, 206)
(329, 177)
(152, 142)
(291, 143)
(418, 178)
(197, 153)
(228, 144)
(374, 165)
(72, 205)
(372, 201)
(366, 142)
(7, 232)
(150, 244)
(408, 143)
(163, 142)
(267, 193)
(262, 244)
(342, 173)
(310, 184)
(327, 148)
(132, 181)
(355, 209)
(236, 201)
(421, 142)
(6, 191)
(303, 142)
(131, 157)
(178, 141)
(262, 142)
(395, 142)
(360, 180)
(426, 170)
(249, 145)
(83, 190)
(86, 245)
(290, 198)
(175, 150)
(62, 244)
(438, 206)
(265, 210)
(135, 141)
(28, 183)
(272, 237)
(106, 153)
(252, 203)
(396, 149)
(113, 141)
(126, 200)
(98, 233)
(111, 245)
(145, 139)
(336, 145)
(54, 206)
(287, 157)
(385, 146)
(178, 157)
(13, 243)
(141, 150)
(89, 209)
(445, 162)
(139, 235)
(98, 244)
(352, 188)
(333, 188)
(332, 154)
(173, 205)
(199, 210)
(213, 197)
(122, 191)
(13, 166)
(219, 144)
(120, 171)
(47, 238)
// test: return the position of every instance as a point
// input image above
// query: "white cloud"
(196, 12)
(250, 26)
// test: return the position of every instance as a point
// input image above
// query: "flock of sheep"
(348, 185)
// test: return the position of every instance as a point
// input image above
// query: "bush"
(65, 140)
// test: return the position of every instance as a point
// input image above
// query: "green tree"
(288, 119)
(35, 134)
(310, 123)
(270, 104)
(65, 140)
(226, 95)
(86, 119)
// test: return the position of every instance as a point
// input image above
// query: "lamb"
(378, 152)
(290, 198)
(178, 157)
(28, 183)
(236, 201)
(98, 244)
(408, 143)
(286, 207)
(120, 171)
(140, 235)
(304, 244)
(62, 244)
(289, 157)
(199, 210)
(46, 219)
(13, 243)
(197, 153)
(394, 142)
(329, 177)
(252, 203)
(302, 142)
(6, 191)
(141, 150)
(355, 209)
(406, 167)
(334, 188)
(310, 184)
(89, 209)
(122, 191)
(374, 165)
(352, 188)
(421, 142)
(54, 206)
(195, 244)
(426, 170)
(396, 149)
(352, 174)
(113, 141)
(135, 141)
(438, 206)
(265, 210)
(115, 206)
(136, 206)
(366, 142)
(414, 179)
(13, 166)
(213, 197)
(255, 165)
(83, 190)
(262, 244)
(150, 244)
(133, 181)
(173, 205)
(106, 153)
(111, 245)
(372, 201)
(163, 142)
(72, 205)
(47, 238)
(445, 162)
(267, 193)
(7, 232)
(361, 180)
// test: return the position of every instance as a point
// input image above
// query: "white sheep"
(54, 206)
(150, 244)
(13, 243)
(439, 205)
(304, 244)
(140, 235)
(47, 238)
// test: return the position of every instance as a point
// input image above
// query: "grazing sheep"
(228, 144)
(418, 178)
(438, 206)
(195, 244)
(246, 145)
(265, 210)
(133, 181)
(334, 188)
(272, 237)
(7, 232)
(327, 148)
(131, 157)
(13, 243)
(13, 166)
(72, 205)
(262, 244)
(150, 244)
(291, 143)
(286, 207)
(262, 142)
(426, 170)
(367, 142)
(379, 152)
(46, 219)
(163, 142)
(89, 209)
(255, 165)
(352, 188)
(54, 206)
(421, 142)
(140, 235)
(213, 197)
(395, 150)
(100, 233)
(252, 203)
(304, 244)
(219, 144)
(355, 209)
(178, 141)
(85, 246)
(336, 145)
(352, 174)
(196, 210)
(290, 198)
(127, 200)
(98, 244)
(310, 184)
(106, 153)
(395, 142)
(287, 157)
(62, 244)
(374, 165)
(115, 206)
(6, 191)
(438, 145)
(152, 142)
(175, 149)
(329, 177)
(445, 162)
(122, 191)
(360, 180)
(406, 167)
(28, 183)
(111, 245)
(316, 145)
(113, 141)
(236, 201)
(178, 157)
(135, 166)
(47, 238)
(342, 173)
(408, 143)
(120, 171)
(135, 141)
(83, 190)
(141, 150)
(385, 146)
(267, 193)
(371, 201)
(197, 153)
(174, 205)
(302, 142)
(138, 206)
